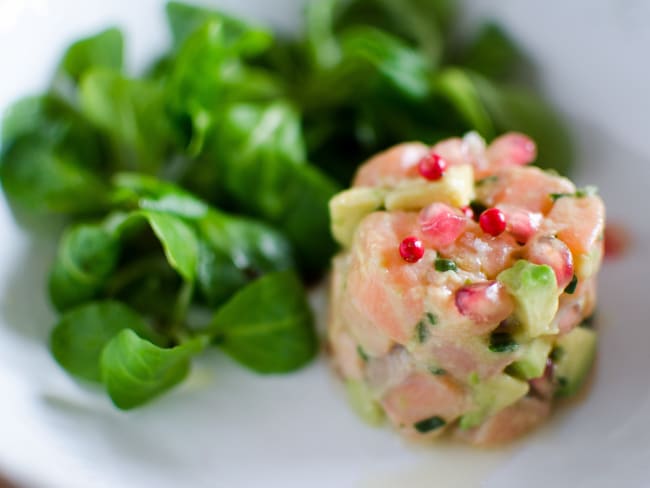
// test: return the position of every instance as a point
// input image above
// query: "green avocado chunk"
(491, 396)
(534, 289)
(532, 361)
(348, 208)
(576, 352)
(362, 402)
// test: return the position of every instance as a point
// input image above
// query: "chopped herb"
(437, 371)
(443, 265)
(427, 425)
(502, 342)
(562, 381)
(587, 191)
(556, 353)
(473, 379)
(556, 196)
(477, 207)
(571, 287)
(433, 318)
(487, 179)
(421, 331)
(362, 354)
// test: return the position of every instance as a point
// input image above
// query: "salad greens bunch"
(196, 194)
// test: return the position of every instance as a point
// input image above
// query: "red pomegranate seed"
(521, 223)
(411, 249)
(432, 167)
(485, 303)
(441, 224)
(510, 149)
(468, 212)
(492, 221)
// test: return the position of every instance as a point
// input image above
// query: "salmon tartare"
(461, 299)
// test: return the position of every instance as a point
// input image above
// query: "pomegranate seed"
(492, 221)
(411, 249)
(441, 224)
(485, 303)
(468, 212)
(554, 253)
(511, 149)
(432, 167)
(521, 223)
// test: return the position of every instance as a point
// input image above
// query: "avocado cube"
(491, 396)
(532, 361)
(349, 207)
(455, 188)
(362, 402)
(534, 289)
(577, 351)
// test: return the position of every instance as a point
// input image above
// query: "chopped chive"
(587, 191)
(433, 318)
(427, 425)
(362, 354)
(556, 353)
(571, 287)
(556, 196)
(421, 332)
(502, 342)
(477, 207)
(443, 265)
(437, 371)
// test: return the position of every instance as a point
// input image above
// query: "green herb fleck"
(427, 425)
(473, 379)
(587, 191)
(502, 342)
(443, 265)
(362, 354)
(477, 207)
(571, 287)
(556, 196)
(433, 318)
(437, 371)
(556, 353)
(421, 332)
(562, 382)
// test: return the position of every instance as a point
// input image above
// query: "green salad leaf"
(135, 371)
(86, 258)
(132, 114)
(82, 333)
(38, 176)
(268, 325)
(105, 50)
(262, 162)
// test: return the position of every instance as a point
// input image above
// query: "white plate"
(228, 428)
